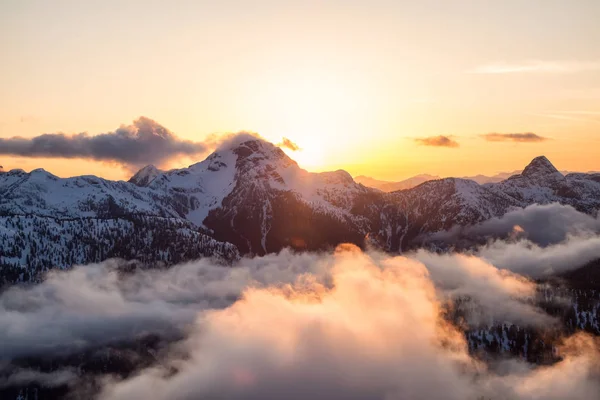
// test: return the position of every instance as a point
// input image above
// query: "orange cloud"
(526, 137)
(437, 141)
(288, 144)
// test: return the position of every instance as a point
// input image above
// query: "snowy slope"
(540, 182)
(145, 176)
(274, 203)
(41, 193)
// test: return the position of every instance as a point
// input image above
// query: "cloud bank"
(375, 333)
(527, 137)
(542, 224)
(143, 142)
(437, 141)
(341, 325)
(537, 241)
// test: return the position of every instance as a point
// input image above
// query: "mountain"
(541, 183)
(387, 186)
(499, 177)
(435, 206)
(145, 176)
(252, 194)
(248, 197)
(48, 222)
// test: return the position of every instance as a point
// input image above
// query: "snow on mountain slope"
(540, 182)
(145, 176)
(438, 205)
(33, 244)
(202, 187)
(275, 203)
(41, 193)
(199, 188)
(48, 222)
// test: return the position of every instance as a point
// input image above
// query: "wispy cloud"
(288, 144)
(437, 141)
(526, 137)
(537, 66)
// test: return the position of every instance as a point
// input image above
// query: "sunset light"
(300, 200)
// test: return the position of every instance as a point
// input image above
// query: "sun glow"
(311, 156)
(322, 112)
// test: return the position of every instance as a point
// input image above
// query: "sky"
(388, 89)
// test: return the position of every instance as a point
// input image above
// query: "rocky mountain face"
(249, 197)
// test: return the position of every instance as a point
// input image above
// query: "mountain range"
(392, 186)
(247, 198)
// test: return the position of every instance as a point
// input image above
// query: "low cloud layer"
(526, 258)
(541, 224)
(346, 324)
(437, 141)
(143, 142)
(375, 333)
(288, 144)
(536, 241)
(527, 137)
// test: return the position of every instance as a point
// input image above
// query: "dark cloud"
(527, 137)
(143, 142)
(437, 141)
(288, 144)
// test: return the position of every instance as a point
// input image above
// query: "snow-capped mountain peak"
(145, 175)
(541, 167)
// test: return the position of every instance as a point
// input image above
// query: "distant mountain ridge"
(391, 186)
(249, 197)
(388, 186)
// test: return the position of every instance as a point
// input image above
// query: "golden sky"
(366, 86)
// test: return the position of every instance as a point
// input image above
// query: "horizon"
(386, 89)
(290, 153)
